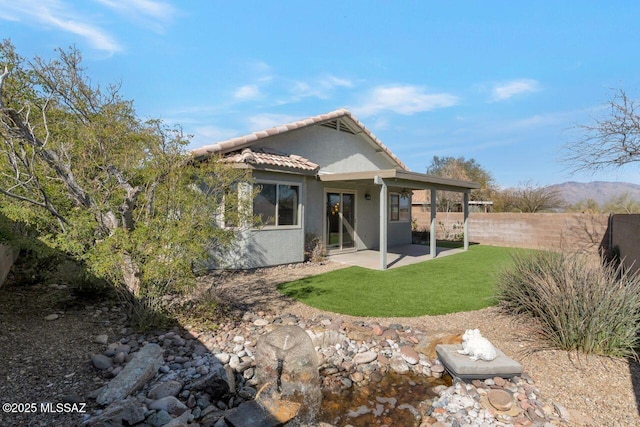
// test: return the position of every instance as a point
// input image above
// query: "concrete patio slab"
(397, 256)
(461, 366)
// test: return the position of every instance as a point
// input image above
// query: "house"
(326, 177)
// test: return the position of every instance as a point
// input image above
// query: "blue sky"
(502, 82)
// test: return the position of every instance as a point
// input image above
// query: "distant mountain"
(600, 191)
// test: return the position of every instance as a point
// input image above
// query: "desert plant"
(455, 233)
(578, 304)
(314, 250)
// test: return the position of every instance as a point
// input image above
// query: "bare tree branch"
(611, 142)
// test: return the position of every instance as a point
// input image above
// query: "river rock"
(159, 418)
(128, 411)
(409, 355)
(170, 388)
(500, 399)
(101, 339)
(398, 364)
(101, 361)
(215, 383)
(366, 357)
(170, 404)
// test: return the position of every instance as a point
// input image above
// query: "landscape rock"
(170, 388)
(409, 355)
(170, 404)
(159, 418)
(215, 384)
(366, 357)
(212, 381)
(100, 361)
(399, 365)
(128, 411)
(101, 339)
(251, 414)
(138, 371)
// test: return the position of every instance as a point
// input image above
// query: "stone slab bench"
(461, 366)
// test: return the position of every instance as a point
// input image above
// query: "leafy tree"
(528, 197)
(585, 206)
(464, 170)
(610, 142)
(624, 204)
(117, 193)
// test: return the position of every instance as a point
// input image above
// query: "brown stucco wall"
(625, 235)
(567, 231)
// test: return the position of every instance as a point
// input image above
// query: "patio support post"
(383, 221)
(465, 208)
(432, 231)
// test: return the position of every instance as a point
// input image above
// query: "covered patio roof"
(395, 178)
(402, 178)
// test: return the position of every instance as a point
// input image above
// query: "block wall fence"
(560, 231)
(584, 232)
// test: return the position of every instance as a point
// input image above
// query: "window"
(276, 204)
(230, 205)
(398, 207)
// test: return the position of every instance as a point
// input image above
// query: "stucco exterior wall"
(333, 150)
(367, 214)
(267, 246)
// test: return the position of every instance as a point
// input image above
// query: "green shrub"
(579, 304)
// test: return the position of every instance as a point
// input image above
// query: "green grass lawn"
(459, 282)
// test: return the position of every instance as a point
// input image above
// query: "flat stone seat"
(461, 365)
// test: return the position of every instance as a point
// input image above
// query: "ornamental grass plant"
(578, 304)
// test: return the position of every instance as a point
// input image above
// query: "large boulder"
(123, 412)
(139, 370)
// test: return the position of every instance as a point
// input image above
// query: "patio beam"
(432, 231)
(465, 209)
(383, 221)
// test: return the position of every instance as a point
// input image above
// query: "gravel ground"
(49, 361)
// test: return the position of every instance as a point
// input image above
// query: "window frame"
(399, 218)
(298, 206)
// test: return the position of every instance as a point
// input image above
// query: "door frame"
(325, 236)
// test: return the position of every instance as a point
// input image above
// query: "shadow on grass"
(300, 289)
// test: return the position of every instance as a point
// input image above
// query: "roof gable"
(341, 120)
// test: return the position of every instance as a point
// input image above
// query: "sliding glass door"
(340, 220)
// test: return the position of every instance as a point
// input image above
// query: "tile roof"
(240, 142)
(271, 159)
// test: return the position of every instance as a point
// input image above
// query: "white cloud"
(320, 88)
(506, 90)
(58, 14)
(247, 92)
(403, 99)
(266, 121)
(214, 133)
(156, 14)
